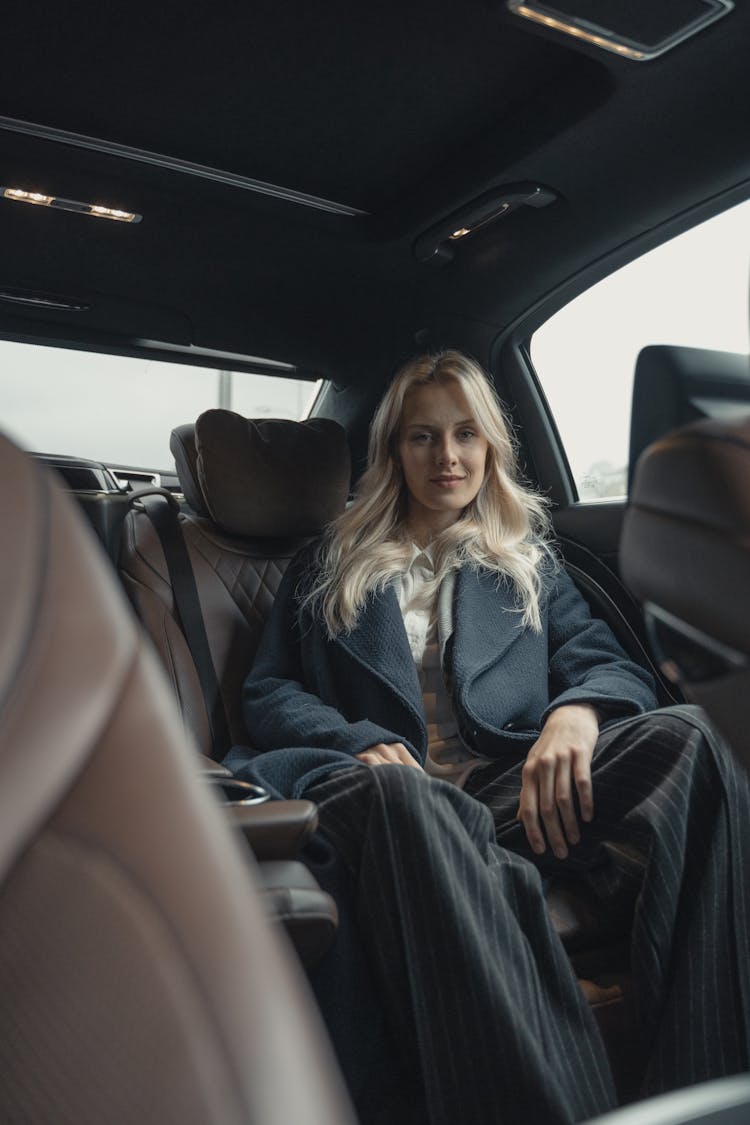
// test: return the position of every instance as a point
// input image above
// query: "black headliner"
(404, 111)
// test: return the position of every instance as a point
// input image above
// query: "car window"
(121, 410)
(690, 291)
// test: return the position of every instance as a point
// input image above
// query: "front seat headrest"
(271, 477)
(182, 446)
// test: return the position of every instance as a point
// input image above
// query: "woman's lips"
(447, 482)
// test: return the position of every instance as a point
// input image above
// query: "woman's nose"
(446, 453)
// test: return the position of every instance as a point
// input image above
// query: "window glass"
(121, 410)
(691, 291)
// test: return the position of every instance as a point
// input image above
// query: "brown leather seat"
(257, 491)
(140, 980)
(686, 555)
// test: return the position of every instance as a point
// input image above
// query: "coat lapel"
(486, 621)
(379, 643)
(486, 624)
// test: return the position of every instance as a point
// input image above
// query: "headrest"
(182, 445)
(674, 386)
(271, 477)
(686, 536)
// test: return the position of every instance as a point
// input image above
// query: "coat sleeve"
(279, 707)
(586, 662)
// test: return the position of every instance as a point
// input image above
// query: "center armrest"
(275, 829)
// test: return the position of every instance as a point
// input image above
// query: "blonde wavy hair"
(504, 529)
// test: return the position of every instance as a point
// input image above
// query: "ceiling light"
(496, 209)
(579, 33)
(20, 195)
(28, 196)
(436, 244)
(633, 29)
(113, 213)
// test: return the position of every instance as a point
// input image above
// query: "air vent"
(79, 475)
(133, 479)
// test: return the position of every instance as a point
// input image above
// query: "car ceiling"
(398, 113)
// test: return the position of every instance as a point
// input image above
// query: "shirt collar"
(421, 556)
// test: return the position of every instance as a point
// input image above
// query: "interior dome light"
(639, 30)
(28, 196)
(436, 244)
(20, 195)
(579, 33)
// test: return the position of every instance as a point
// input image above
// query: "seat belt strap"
(163, 510)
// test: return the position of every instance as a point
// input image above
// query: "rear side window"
(691, 291)
(122, 410)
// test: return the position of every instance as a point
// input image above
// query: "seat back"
(257, 490)
(139, 978)
(686, 554)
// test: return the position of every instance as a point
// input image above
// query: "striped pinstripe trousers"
(481, 1003)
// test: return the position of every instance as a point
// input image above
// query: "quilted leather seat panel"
(236, 579)
(275, 483)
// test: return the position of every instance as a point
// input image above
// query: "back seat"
(257, 491)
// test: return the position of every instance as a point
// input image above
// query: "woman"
(433, 681)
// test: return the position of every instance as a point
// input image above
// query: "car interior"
(318, 194)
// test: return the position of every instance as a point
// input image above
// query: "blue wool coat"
(311, 702)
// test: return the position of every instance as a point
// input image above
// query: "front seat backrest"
(139, 979)
(258, 491)
(686, 555)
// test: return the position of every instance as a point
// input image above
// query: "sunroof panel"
(366, 117)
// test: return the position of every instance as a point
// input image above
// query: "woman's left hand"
(388, 754)
(560, 758)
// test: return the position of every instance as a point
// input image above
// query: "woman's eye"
(421, 437)
(467, 435)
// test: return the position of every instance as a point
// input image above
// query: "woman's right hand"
(388, 754)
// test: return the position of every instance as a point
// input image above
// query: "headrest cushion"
(271, 477)
(182, 445)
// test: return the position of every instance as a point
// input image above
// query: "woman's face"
(443, 455)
